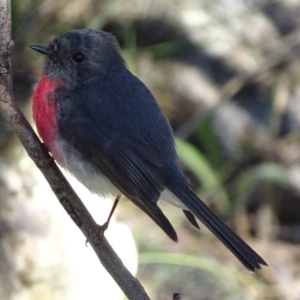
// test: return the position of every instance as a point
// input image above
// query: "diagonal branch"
(62, 189)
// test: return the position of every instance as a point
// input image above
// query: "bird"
(104, 126)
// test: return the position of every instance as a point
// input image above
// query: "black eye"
(78, 57)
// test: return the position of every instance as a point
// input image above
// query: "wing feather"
(132, 166)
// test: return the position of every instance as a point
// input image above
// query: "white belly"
(87, 174)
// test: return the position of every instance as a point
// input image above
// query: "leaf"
(211, 183)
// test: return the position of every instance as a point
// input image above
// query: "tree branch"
(62, 189)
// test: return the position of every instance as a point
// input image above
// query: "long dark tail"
(245, 254)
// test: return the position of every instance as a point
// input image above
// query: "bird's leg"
(105, 225)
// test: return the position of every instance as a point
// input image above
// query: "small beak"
(41, 49)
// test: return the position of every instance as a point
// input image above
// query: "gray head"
(78, 55)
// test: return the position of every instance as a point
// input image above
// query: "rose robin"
(103, 125)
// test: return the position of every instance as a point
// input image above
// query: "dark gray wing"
(132, 166)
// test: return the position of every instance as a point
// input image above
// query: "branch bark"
(60, 186)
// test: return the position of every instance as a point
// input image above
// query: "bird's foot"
(101, 230)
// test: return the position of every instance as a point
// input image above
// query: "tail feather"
(245, 254)
(191, 218)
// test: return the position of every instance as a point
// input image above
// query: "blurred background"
(227, 75)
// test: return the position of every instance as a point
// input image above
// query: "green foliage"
(205, 133)
(212, 185)
(264, 172)
(163, 49)
(234, 283)
(130, 50)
